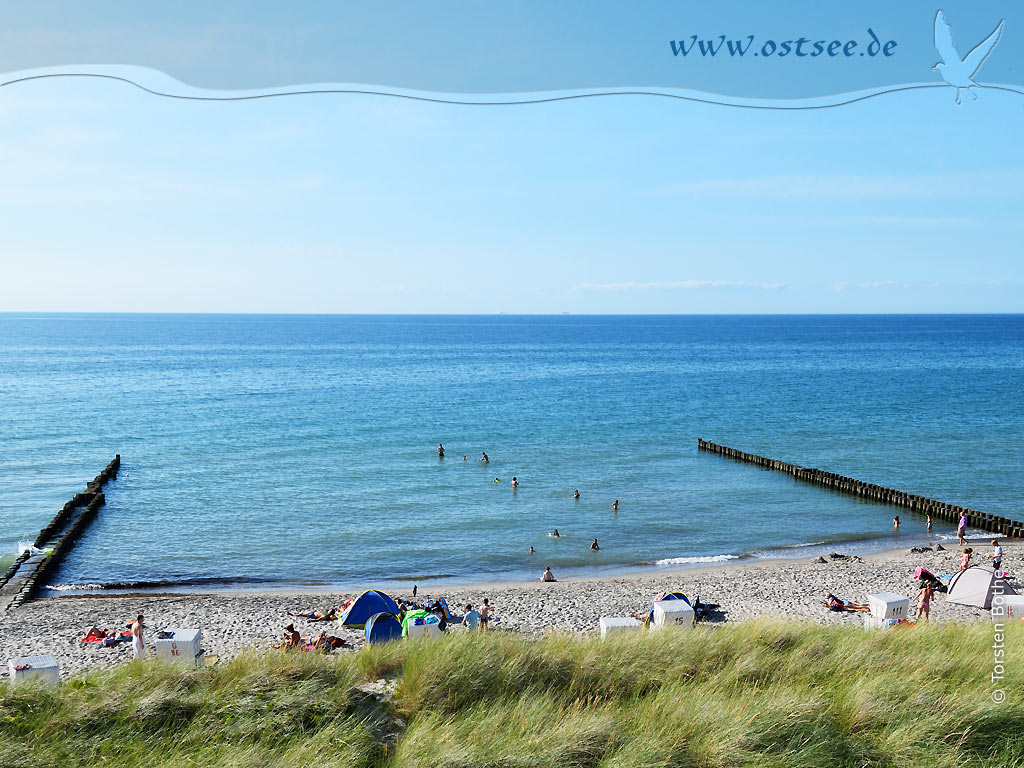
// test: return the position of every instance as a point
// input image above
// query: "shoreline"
(812, 550)
(238, 622)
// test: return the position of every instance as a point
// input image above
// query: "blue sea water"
(301, 450)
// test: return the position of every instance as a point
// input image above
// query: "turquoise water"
(301, 450)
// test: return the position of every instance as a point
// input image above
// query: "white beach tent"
(975, 585)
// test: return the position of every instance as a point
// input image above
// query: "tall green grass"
(758, 694)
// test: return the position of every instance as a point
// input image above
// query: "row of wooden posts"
(939, 510)
(29, 572)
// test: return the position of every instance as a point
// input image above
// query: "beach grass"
(759, 693)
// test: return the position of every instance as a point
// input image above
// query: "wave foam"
(687, 560)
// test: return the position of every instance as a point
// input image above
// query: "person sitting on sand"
(924, 598)
(593, 546)
(471, 621)
(292, 640)
(965, 558)
(547, 575)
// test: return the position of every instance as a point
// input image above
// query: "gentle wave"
(705, 559)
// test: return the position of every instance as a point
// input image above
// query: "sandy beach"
(235, 622)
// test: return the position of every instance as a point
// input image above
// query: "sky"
(115, 200)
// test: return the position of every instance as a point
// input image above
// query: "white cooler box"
(670, 613)
(874, 622)
(1008, 608)
(888, 605)
(40, 669)
(183, 645)
(609, 626)
(424, 630)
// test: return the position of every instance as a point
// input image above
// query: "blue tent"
(363, 607)
(382, 627)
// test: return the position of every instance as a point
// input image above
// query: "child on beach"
(924, 597)
(965, 558)
(485, 615)
(997, 555)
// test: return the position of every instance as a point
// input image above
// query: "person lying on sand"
(319, 615)
(833, 603)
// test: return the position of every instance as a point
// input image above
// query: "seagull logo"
(958, 72)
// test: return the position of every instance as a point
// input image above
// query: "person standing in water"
(483, 458)
(138, 641)
(515, 481)
(896, 522)
(615, 505)
(929, 526)
(440, 451)
(555, 533)
(576, 493)
(593, 546)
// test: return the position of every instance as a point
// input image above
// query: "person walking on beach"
(485, 615)
(547, 575)
(593, 546)
(440, 451)
(965, 559)
(471, 621)
(997, 555)
(138, 641)
(961, 529)
(924, 598)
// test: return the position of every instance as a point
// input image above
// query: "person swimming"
(483, 458)
(555, 533)
(531, 550)
(576, 493)
(497, 480)
(593, 546)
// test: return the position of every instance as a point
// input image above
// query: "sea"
(288, 451)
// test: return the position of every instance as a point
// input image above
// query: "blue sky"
(116, 200)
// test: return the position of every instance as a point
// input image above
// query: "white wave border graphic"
(159, 83)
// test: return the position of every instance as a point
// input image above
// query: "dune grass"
(757, 693)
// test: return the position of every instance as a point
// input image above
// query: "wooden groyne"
(30, 571)
(939, 510)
